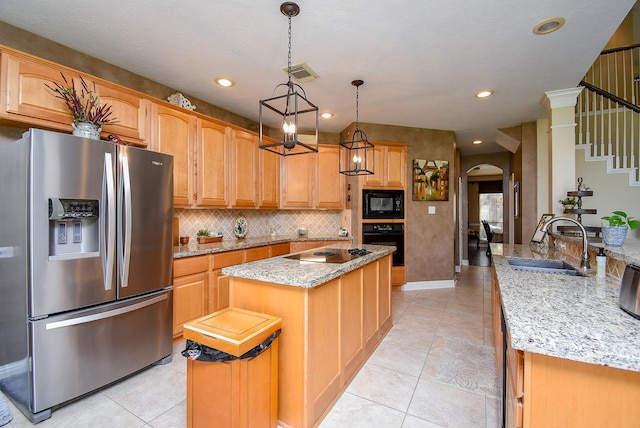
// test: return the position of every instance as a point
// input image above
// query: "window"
(491, 211)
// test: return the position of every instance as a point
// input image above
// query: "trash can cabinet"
(232, 369)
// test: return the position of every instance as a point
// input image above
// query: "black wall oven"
(382, 204)
(386, 234)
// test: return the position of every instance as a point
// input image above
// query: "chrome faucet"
(585, 245)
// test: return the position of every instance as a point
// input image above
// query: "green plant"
(569, 201)
(203, 232)
(620, 218)
(83, 103)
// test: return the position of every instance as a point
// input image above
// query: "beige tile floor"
(404, 384)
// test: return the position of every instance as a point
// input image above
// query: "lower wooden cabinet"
(199, 287)
(190, 285)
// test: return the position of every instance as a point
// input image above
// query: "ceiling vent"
(302, 72)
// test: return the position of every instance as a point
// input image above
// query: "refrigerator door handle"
(125, 232)
(107, 314)
(108, 228)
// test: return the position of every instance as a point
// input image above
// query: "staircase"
(608, 115)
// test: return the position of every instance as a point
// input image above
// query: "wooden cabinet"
(190, 285)
(280, 249)
(323, 331)
(244, 170)
(27, 99)
(212, 152)
(298, 174)
(351, 322)
(268, 179)
(329, 183)
(390, 166)
(313, 180)
(132, 114)
(543, 391)
(219, 283)
(173, 133)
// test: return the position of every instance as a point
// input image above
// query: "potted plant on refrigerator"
(616, 231)
(84, 105)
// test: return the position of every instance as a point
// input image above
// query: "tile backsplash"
(262, 222)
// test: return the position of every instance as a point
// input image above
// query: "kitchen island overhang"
(333, 318)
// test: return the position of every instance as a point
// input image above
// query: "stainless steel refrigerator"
(85, 266)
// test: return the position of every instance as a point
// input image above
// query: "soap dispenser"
(601, 263)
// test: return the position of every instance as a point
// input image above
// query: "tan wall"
(430, 238)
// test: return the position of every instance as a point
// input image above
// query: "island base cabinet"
(236, 394)
(563, 393)
(322, 345)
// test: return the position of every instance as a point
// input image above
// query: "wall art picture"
(430, 180)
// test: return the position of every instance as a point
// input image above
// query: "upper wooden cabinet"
(244, 171)
(268, 179)
(212, 152)
(173, 133)
(27, 99)
(329, 188)
(313, 180)
(390, 166)
(131, 113)
(298, 173)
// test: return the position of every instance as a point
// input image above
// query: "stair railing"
(608, 116)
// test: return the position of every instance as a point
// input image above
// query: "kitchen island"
(572, 355)
(333, 317)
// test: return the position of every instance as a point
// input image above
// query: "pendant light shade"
(357, 155)
(291, 112)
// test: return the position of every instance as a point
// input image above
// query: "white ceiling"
(421, 61)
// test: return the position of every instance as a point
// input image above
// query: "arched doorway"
(485, 202)
(497, 167)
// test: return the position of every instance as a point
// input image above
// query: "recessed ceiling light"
(326, 115)
(484, 94)
(548, 25)
(477, 142)
(223, 81)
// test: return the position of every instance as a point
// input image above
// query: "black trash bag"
(200, 352)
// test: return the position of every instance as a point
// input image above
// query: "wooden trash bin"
(242, 393)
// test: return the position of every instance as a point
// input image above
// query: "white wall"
(610, 192)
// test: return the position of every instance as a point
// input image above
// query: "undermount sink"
(551, 266)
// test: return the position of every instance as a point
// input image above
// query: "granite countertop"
(628, 253)
(280, 270)
(195, 249)
(576, 318)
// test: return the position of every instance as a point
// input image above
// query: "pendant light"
(291, 112)
(357, 155)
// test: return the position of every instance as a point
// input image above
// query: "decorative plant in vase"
(569, 203)
(84, 104)
(204, 237)
(616, 231)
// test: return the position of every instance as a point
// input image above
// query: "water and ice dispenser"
(73, 228)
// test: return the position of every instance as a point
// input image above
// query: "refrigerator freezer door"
(64, 167)
(81, 351)
(145, 229)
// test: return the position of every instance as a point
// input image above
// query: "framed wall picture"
(539, 234)
(430, 180)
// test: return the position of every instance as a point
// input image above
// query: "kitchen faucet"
(585, 247)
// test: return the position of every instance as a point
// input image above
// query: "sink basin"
(551, 266)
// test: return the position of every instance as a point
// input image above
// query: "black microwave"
(382, 204)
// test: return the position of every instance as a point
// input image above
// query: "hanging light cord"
(289, 55)
(357, 105)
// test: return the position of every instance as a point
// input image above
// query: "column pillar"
(561, 115)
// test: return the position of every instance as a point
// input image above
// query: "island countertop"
(281, 270)
(576, 318)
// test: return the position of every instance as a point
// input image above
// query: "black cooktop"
(328, 255)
